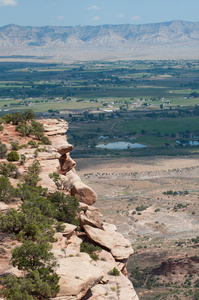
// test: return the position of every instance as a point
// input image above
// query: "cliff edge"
(82, 276)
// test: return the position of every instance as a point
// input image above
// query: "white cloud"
(120, 16)
(8, 3)
(93, 7)
(96, 18)
(60, 17)
(135, 18)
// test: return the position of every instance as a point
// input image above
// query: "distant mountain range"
(168, 40)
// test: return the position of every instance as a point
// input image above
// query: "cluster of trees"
(26, 125)
(33, 224)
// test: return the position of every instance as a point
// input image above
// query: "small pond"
(120, 145)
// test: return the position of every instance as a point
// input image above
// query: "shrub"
(31, 179)
(14, 145)
(6, 190)
(33, 144)
(17, 118)
(94, 256)
(114, 272)
(13, 156)
(141, 208)
(56, 178)
(7, 118)
(90, 249)
(35, 167)
(38, 129)
(28, 224)
(28, 115)
(8, 169)
(40, 281)
(66, 208)
(24, 129)
(3, 150)
(22, 159)
(45, 140)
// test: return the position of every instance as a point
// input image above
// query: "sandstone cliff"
(80, 276)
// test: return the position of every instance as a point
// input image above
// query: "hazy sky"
(96, 12)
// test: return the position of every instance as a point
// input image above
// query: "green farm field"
(161, 125)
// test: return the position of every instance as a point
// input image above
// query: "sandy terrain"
(123, 184)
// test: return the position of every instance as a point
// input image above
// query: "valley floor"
(153, 201)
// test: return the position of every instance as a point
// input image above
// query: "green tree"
(7, 192)
(29, 115)
(3, 150)
(31, 256)
(8, 169)
(56, 178)
(24, 129)
(17, 118)
(66, 208)
(40, 282)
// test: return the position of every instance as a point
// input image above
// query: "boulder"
(95, 216)
(60, 143)
(66, 163)
(3, 206)
(87, 221)
(86, 207)
(111, 228)
(77, 275)
(69, 229)
(119, 246)
(80, 190)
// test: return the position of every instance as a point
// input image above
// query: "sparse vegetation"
(91, 249)
(114, 272)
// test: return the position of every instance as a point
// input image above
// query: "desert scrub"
(90, 249)
(13, 156)
(45, 140)
(8, 169)
(114, 272)
(141, 208)
(3, 150)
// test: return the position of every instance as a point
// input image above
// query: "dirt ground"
(126, 183)
(160, 226)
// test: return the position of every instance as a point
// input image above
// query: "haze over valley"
(168, 40)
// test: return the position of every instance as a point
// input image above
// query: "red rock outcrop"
(79, 274)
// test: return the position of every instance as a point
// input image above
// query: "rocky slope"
(80, 276)
(175, 39)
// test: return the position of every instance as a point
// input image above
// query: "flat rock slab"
(119, 246)
(77, 276)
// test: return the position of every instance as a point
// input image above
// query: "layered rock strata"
(80, 276)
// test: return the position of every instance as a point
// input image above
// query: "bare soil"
(125, 184)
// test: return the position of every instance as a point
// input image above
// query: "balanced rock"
(80, 190)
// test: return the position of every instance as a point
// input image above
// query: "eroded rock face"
(66, 163)
(115, 242)
(55, 130)
(80, 190)
(79, 274)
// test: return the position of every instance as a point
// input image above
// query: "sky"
(95, 12)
